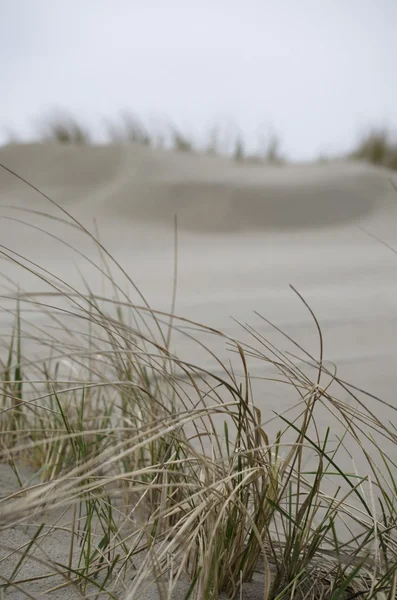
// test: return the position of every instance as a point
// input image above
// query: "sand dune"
(311, 215)
(208, 194)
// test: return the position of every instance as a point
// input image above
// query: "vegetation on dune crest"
(63, 128)
(378, 147)
(169, 474)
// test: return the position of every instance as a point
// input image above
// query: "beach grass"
(221, 139)
(161, 474)
(378, 146)
(63, 129)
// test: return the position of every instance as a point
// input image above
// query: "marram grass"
(159, 474)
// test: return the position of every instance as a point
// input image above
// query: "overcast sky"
(316, 72)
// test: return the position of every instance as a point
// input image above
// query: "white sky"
(316, 72)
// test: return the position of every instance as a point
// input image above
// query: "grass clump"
(378, 147)
(63, 129)
(158, 473)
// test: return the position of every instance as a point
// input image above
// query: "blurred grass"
(377, 147)
(63, 128)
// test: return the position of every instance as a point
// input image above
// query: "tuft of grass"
(378, 147)
(154, 472)
(273, 153)
(129, 129)
(63, 129)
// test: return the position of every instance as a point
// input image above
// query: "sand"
(209, 194)
(245, 232)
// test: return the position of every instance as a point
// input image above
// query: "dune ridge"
(207, 193)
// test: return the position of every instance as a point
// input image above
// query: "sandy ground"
(245, 232)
